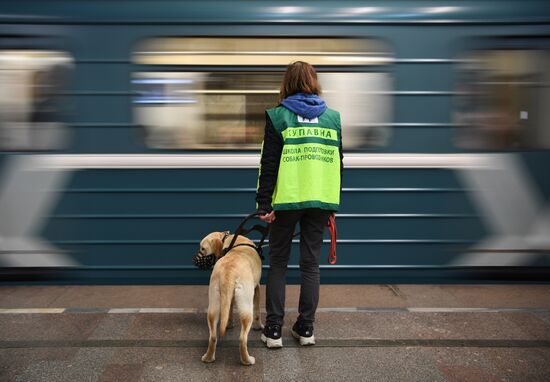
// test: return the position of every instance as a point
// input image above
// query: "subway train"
(129, 130)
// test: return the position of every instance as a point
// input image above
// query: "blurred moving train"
(131, 129)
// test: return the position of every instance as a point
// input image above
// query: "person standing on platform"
(299, 182)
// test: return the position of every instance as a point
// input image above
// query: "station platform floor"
(363, 332)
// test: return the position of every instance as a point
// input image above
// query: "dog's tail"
(226, 295)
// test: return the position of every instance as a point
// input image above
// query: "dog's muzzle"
(204, 262)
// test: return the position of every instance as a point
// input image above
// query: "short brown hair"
(300, 77)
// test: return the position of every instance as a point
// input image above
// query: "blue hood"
(307, 105)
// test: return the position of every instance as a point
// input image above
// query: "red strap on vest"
(333, 236)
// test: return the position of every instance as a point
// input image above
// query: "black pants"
(312, 226)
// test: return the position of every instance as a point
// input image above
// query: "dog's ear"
(217, 244)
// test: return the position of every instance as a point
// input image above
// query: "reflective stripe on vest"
(309, 170)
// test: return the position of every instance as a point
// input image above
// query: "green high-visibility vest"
(309, 169)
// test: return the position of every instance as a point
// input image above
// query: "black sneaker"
(303, 332)
(271, 336)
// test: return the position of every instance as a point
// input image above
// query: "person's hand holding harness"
(268, 217)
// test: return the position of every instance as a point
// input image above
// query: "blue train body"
(108, 207)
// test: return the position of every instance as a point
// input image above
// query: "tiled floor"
(370, 332)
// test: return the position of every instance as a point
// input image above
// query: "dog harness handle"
(264, 230)
(241, 230)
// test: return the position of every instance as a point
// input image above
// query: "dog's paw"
(251, 361)
(257, 326)
(207, 359)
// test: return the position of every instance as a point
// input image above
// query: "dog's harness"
(264, 230)
(206, 262)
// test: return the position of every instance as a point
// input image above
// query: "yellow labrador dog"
(235, 281)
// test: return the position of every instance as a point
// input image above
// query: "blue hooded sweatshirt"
(304, 104)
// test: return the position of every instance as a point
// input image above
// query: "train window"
(31, 85)
(218, 98)
(502, 100)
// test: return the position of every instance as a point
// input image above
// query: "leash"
(333, 238)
